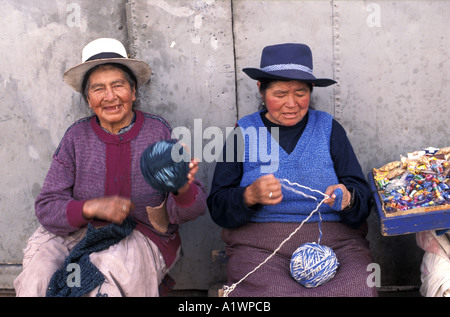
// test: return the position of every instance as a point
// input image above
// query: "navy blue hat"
(288, 61)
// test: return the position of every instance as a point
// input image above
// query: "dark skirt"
(251, 244)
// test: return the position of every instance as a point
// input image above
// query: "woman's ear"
(259, 89)
(133, 93)
(88, 102)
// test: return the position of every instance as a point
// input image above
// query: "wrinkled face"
(286, 102)
(111, 98)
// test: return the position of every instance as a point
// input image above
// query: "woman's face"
(287, 102)
(111, 98)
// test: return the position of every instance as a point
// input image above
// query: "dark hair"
(129, 76)
(265, 84)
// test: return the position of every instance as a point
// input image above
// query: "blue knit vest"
(309, 164)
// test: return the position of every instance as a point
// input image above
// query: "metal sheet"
(392, 66)
(189, 45)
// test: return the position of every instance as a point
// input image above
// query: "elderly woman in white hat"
(104, 230)
(258, 210)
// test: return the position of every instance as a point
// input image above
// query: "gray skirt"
(251, 244)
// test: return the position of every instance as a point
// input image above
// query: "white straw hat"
(104, 51)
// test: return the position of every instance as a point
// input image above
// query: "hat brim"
(258, 74)
(75, 75)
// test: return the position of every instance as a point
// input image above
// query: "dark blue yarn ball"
(165, 166)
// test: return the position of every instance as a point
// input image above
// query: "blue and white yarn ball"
(313, 264)
(165, 166)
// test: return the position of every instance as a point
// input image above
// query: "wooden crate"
(408, 221)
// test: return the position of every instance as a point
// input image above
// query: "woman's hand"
(193, 168)
(112, 209)
(266, 190)
(346, 196)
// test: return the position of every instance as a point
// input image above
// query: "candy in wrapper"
(390, 166)
(394, 173)
(445, 151)
(422, 179)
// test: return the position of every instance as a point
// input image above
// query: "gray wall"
(389, 57)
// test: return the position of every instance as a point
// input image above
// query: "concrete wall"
(389, 58)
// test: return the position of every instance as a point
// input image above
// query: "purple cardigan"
(91, 163)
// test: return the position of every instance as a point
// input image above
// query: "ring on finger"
(124, 207)
(270, 195)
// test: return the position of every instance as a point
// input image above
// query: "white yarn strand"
(228, 289)
(299, 192)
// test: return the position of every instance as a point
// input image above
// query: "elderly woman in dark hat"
(258, 211)
(104, 230)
